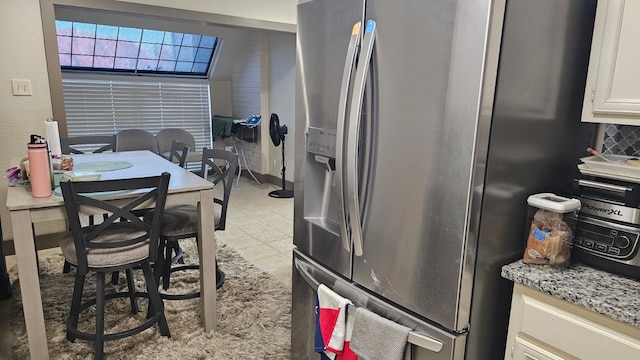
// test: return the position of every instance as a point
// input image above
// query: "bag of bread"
(549, 240)
(550, 236)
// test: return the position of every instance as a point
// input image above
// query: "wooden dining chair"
(181, 221)
(122, 242)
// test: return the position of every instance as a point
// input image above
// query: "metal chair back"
(220, 166)
(178, 153)
(166, 136)
(87, 144)
(86, 194)
(136, 139)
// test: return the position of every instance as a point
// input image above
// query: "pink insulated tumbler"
(39, 170)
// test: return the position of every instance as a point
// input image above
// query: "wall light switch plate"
(21, 87)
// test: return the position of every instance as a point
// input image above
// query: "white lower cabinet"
(524, 349)
(542, 327)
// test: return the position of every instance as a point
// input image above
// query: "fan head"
(276, 132)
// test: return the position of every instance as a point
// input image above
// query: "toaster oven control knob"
(622, 242)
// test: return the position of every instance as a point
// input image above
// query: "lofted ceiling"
(233, 37)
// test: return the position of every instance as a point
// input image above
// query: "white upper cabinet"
(612, 93)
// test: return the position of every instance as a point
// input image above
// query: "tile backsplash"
(621, 140)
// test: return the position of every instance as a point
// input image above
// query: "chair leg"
(76, 300)
(158, 266)
(220, 276)
(178, 251)
(166, 270)
(115, 277)
(99, 343)
(66, 268)
(155, 302)
(159, 273)
(132, 291)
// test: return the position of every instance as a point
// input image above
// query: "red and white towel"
(334, 325)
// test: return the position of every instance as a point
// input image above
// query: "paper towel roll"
(52, 136)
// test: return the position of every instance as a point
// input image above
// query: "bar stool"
(122, 242)
(181, 221)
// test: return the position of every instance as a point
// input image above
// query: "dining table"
(185, 187)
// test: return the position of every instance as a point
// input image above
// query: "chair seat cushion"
(105, 257)
(181, 219)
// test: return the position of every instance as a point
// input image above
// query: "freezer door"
(427, 342)
(327, 42)
(416, 152)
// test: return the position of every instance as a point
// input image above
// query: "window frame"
(77, 88)
(48, 9)
(71, 34)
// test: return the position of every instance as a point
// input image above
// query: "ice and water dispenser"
(321, 202)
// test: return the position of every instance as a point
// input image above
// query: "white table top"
(145, 163)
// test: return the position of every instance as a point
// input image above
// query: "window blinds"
(106, 106)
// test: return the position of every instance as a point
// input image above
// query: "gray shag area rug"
(253, 316)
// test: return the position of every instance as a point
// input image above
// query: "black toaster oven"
(607, 227)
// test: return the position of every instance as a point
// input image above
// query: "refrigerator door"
(416, 151)
(427, 342)
(328, 37)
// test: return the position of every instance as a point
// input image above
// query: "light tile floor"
(258, 226)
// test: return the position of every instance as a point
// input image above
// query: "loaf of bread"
(536, 248)
(549, 240)
(558, 250)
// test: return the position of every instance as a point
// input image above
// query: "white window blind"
(106, 106)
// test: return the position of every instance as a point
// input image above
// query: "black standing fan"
(277, 134)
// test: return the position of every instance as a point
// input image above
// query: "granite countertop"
(612, 295)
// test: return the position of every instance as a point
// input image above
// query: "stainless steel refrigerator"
(421, 128)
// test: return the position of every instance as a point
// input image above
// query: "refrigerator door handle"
(306, 275)
(424, 341)
(415, 338)
(349, 63)
(353, 135)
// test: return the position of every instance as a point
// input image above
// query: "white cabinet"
(612, 93)
(543, 327)
(524, 349)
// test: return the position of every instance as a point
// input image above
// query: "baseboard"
(269, 179)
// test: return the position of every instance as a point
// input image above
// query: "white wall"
(282, 72)
(221, 103)
(23, 57)
(246, 83)
(263, 82)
